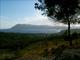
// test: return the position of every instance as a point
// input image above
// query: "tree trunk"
(69, 37)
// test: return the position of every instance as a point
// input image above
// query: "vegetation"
(16, 45)
(63, 11)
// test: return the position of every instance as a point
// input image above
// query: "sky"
(14, 12)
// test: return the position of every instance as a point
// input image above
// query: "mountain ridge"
(37, 26)
(27, 28)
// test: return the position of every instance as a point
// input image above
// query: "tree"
(74, 36)
(64, 11)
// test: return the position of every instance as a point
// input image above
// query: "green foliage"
(62, 10)
(74, 35)
(18, 41)
(14, 45)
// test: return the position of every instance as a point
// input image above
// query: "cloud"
(79, 16)
(6, 22)
(37, 19)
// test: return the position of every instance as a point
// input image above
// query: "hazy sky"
(20, 12)
(14, 12)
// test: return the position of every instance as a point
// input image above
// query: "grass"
(16, 46)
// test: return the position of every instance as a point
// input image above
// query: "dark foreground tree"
(64, 11)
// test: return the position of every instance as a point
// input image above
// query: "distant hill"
(26, 28)
(72, 31)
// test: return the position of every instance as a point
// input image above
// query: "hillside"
(71, 31)
(25, 28)
(17, 46)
